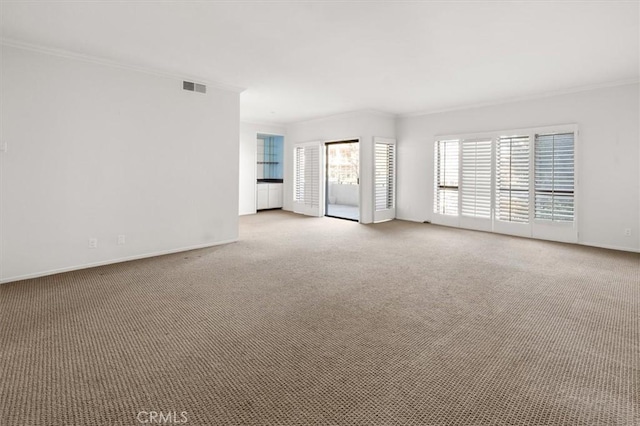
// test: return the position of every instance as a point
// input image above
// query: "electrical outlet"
(627, 232)
(93, 243)
(121, 240)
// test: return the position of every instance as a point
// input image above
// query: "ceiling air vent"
(194, 87)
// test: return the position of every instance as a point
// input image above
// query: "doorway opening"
(342, 182)
(269, 172)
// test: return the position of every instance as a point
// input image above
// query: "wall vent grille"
(194, 87)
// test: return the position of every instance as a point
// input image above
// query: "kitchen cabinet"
(275, 195)
(268, 196)
(262, 199)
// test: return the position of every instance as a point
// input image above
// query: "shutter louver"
(384, 176)
(476, 179)
(554, 177)
(298, 190)
(307, 176)
(312, 176)
(446, 177)
(512, 179)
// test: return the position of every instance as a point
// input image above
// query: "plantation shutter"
(512, 179)
(307, 191)
(298, 186)
(446, 177)
(384, 179)
(476, 179)
(554, 177)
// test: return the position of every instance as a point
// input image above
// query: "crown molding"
(18, 44)
(347, 114)
(263, 124)
(543, 95)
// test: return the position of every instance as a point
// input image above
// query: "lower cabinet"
(275, 195)
(269, 196)
(262, 201)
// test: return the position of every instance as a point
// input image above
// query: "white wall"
(608, 158)
(363, 125)
(98, 151)
(345, 194)
(248, 148)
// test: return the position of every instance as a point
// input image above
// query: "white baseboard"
(111, 261)
(609, 247)
(410, 219)
(579, 243)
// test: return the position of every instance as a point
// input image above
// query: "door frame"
(255, 170)
(326, 176)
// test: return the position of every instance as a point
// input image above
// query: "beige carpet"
(324, 321)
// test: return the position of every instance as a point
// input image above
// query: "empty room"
(319, 213)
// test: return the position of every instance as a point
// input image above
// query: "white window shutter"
(446, 165)
(512, 179)
(384, 179)
(476, 179)
(517, 182)
(307, 182)
(554, 177)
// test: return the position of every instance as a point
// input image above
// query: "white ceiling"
(307, 59)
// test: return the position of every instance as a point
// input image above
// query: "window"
(446, 177)
(517, 182)
(476, 179)
(554, 177)
(512, 179)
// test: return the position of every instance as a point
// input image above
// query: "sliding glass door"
(342, 184)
